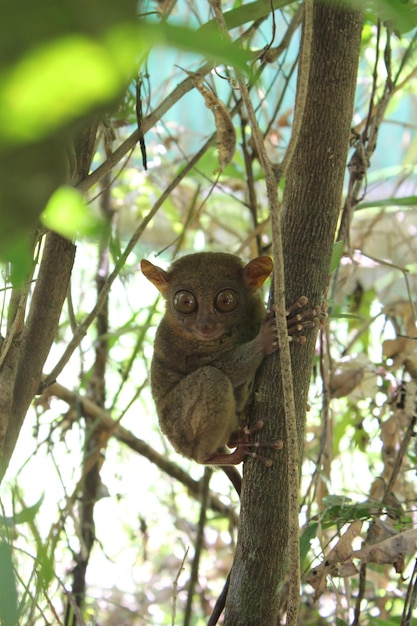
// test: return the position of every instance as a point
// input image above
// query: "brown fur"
(205, 360)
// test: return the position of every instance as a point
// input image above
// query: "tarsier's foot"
(298, 321)
(244, 447)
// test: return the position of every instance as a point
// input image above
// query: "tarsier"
(214, 335)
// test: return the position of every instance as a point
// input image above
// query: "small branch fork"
(365, 142)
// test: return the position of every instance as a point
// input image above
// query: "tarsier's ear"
(157, 276)
(256, 272)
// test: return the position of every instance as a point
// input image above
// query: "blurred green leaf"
(334, 500)
(8, 593)
(402, 14)
(28, 176)
(393, 621)
(336, 255)
(249, 12)
(67, 214)
(208, 42)
(28, 513)
(46, 20)
(45, 559)
(389, 202)
(64, 78)
(69, 76)
(54, 80)
(18, 252)
(58, 62)
(305, 540)
(341, 510)
(360, 302)
(44, 550)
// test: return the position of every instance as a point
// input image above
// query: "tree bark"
(31, 348)
(312, 201)
(29, 341)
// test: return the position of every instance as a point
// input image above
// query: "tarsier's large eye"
(185, 302)
(226, 301)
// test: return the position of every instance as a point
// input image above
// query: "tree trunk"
(28, 341)
(312, 201)
(22, 370)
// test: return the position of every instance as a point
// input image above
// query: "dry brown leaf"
(226, 134)
(353, 375)
(402, 349)
(389, 551)
(343, 548)
(343, 382)
(338, 562)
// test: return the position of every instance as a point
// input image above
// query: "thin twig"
(323, 460)
(365, 143)
(220, 604)
(410, 599)
(233, 18)
(148, 122)
(302, 85)
(175, 586)
(199, 544)
(405, 272)
(103, 419)
(361, 594)
(83, 327)
(407, 436)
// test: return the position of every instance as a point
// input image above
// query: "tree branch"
(111, 428)
(89, 319)
(38, 334)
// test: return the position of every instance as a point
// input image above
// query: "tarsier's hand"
(268, 333)
(297, 322)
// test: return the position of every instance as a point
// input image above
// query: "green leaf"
(249, 12)
(28, 514)
(389, 202)
(71, 75)
(336, 255)
(8, 593)
(208, 42)
(17, 251)
(25, 516)
(334, 500)
(394, 621)
(67, 214)
(342, 510)
(54, 83)
(403, 14)
(305, 540)
(44, 551)
(45, 559)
